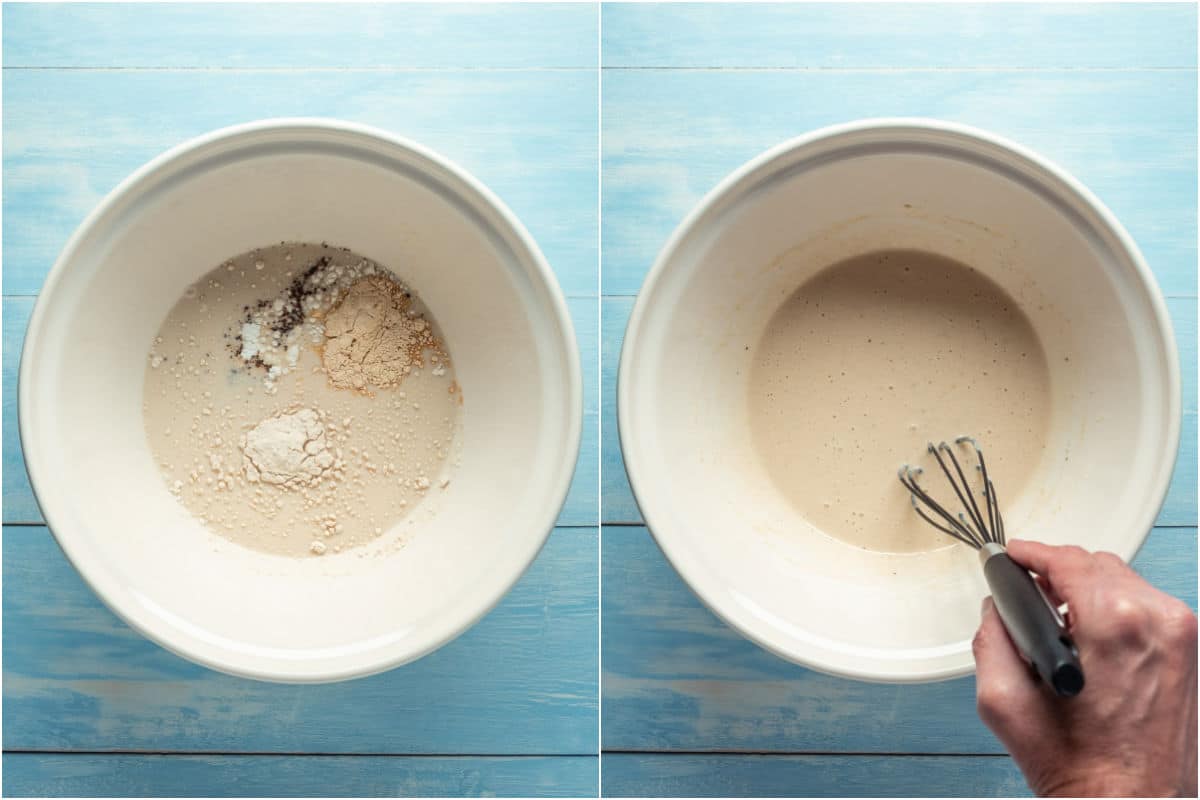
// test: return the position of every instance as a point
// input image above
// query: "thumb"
(1007, 694)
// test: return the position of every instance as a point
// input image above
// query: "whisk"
(1036, 627)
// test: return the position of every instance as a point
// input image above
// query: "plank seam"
(278, 70)
(286, 754)
(895, 70)
(793, 753)
(610, 68)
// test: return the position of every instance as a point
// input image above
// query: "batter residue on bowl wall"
(300, 401)
(872, 358)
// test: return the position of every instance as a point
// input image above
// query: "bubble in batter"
(872, 358)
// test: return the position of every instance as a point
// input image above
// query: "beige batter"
(872, 358)
(274, 446)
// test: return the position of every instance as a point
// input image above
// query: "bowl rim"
(673, 547)
(359, 663)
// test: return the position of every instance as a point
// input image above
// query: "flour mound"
(288, 449)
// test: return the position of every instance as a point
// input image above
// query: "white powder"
(250, 331)
(288, 450)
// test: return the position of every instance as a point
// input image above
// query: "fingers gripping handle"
(1033, 623)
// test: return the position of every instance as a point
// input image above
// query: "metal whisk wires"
(972, 528)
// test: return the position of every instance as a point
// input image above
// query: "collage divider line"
(600, 398)
(281, 754)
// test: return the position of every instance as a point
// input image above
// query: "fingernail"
(984, 606)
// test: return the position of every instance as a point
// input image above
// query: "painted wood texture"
(57, 775)
(899, 35)
(302, 36)
(522, 681)
(692, 91)
(671, 135)
(70, 136)
(678, 679)
(685, 775)
(509, 92)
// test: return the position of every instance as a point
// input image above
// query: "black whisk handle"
(1036, 627)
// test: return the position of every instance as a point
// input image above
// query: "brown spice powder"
(374, 339)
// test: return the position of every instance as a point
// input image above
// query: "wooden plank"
(19, 505)
(95, 775)
(899, 35)
(1179, 508)
(1183, 319)
(617, 503)
(580, 507)
(619, 506)
(676, 678)
(71, 136)
(522, 681)
(686, 775)
(301, 35)
(671, 136)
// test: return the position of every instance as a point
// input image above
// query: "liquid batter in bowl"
(299, 400)
(872, 358)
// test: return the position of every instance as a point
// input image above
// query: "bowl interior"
(501, 314)
(685, 425)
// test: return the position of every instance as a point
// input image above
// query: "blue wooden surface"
(671, 135)
(520, 682)
(41, 774)
(508, 92)
(825, 775)
(71, 135)
(690, 92)
(429, 36)
(677, 679)
(898, 35)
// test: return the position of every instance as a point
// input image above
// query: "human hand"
(1132, 731)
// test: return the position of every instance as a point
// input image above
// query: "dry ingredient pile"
(872, 358)
(300, 401)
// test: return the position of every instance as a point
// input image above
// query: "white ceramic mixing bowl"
(830, 195)
(504, 320)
